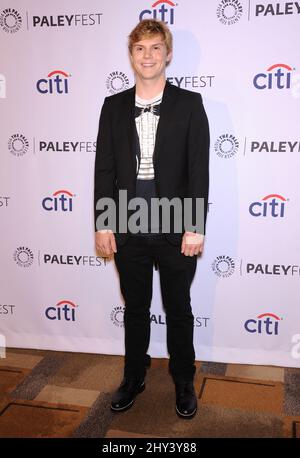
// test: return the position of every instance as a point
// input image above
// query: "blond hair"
(148, 28)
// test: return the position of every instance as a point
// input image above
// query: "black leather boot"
(186, 401)
(125, 395)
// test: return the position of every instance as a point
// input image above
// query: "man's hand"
(192, 243)
(105, 243)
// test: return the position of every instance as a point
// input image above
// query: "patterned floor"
(58, 394)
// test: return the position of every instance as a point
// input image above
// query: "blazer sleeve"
(198, 157)
(104, 177)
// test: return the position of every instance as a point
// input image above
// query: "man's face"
(149, 58)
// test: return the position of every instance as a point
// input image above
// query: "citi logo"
(57, 83)
(272, 205)
(266, 323)
(61, 200)
(277, 76)
(165, 13)
(63, 311)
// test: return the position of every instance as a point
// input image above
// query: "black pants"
(134, 262)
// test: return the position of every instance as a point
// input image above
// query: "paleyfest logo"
(277, 9)
(163, 10)
(67, 20)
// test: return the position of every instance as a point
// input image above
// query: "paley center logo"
(117, 82)
(23, 256)
(117, 316)
(62, 311)
(61, 200)
(229, 11)
(272, 205)
(18, 145)
(163, 10)
(226, 146)
(266, 323)
(277, 76)
(10, 20)
(223, 266)
(56, 83)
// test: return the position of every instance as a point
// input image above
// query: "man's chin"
(147, 77)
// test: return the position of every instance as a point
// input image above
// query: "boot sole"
(186, 415)
(121, 409)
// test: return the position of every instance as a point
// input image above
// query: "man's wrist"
(193, 237)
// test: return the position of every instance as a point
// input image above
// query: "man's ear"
(169, 57)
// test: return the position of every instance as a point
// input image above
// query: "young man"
(153, 142)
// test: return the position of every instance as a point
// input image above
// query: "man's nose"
(147, 53)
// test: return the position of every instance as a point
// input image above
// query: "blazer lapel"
(166, 111)
(128, 116)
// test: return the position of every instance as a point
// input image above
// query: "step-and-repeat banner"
(58, 60)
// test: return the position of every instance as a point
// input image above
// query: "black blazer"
(181, 153)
